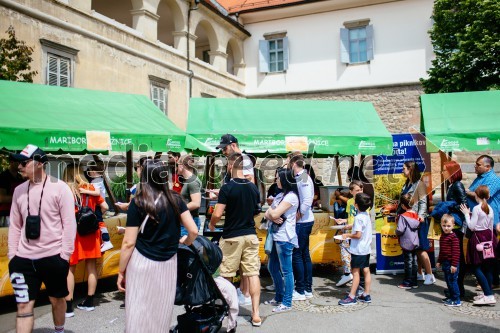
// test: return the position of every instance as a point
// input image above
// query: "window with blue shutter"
(356, 43)
(273, 54)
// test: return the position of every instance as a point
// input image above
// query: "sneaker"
(485, 300)
(405, 285)
(429, 279)
(298, 297)
(122, 306)
(478, 297)
(365, 299)
(347, 301)
(452, 303)
(420, 277)
(271, 287)
(272, 302)
(282, 308)
(414, 285)
(308, 294)
(69, 309)
(242, 300)
(344, 280)
(233, 330)
(446, 299)
(106, 246)
(87, 304)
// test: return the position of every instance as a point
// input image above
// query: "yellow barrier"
(322, 247)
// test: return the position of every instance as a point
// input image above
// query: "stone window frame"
(156, 82)
(56, 50)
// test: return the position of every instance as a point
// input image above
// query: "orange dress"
(88, 246)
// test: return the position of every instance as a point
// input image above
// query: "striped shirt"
(449, 249)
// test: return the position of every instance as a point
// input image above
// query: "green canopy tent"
(61, 119)
(279, 126)
(468, 121)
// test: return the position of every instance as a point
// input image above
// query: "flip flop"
(256, 323)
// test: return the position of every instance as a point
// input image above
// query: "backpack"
(407, 231)
(86, 220)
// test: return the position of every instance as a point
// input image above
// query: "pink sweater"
(58, 224)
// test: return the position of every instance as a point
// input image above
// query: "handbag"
(268, 245)
(486, 248)
(86, 220)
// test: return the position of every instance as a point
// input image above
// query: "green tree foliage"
(466, 41)
(15, 59)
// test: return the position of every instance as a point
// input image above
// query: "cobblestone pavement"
(392, 309)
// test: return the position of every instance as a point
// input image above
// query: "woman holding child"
(415, 187)
(282, 214)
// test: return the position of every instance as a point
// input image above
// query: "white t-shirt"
(286, 232)
(247, 165)
(362, 246)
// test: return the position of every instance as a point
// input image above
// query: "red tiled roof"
(234, 6)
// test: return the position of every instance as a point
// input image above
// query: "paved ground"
(395, 310)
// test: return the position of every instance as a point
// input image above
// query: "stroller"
(205, 306)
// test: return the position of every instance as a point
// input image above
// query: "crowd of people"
(44, 245)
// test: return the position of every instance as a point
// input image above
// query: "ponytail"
(483, 193)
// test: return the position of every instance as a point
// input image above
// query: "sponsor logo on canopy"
(367, 145)
(449, 145)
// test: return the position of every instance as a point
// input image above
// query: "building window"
(159, 92)
(58, 71)
(59, 63)
(356, 42)
(273, 53)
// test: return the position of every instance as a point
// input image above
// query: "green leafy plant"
(15, 59)
(466, 40)
(119, 186)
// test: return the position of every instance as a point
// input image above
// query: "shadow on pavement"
(466, 327)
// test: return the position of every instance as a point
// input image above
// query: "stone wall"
(398, 105)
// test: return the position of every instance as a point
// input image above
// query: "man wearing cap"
(41, 238)
(239, 198)
(229, 145)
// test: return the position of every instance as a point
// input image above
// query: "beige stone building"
(168, 50)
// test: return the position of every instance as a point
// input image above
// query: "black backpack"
(86, 220)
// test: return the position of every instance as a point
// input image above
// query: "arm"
(461, 195)
(128, 246)
(67, 211)
(15, 227)
(94, 193)
(216, 215)
(471, 220)
(188, 223)
(455, 253)
(274, 214)
(195, 201)
(307, 193)
(422, 201)
(104, 207)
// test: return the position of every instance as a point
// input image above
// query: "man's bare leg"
(25, 319)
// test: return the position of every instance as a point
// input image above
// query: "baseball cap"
(30, 152)
(225, 140)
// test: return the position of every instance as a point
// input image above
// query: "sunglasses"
(25, 163)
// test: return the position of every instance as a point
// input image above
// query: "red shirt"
(449, 249)
(176, 184)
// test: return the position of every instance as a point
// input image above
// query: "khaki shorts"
(240, 251)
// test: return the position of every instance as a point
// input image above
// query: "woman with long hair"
(415, 187)
(87, 247)
(481, 225)
(456, 192)
(148, 260)
(282, 214)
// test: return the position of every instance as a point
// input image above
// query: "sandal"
(256, 323)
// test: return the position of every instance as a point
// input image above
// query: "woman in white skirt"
(148, 260)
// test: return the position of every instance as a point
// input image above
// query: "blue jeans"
(451, 280)
(280, 267)
(484, 276)
(302, 265)
(184, 231)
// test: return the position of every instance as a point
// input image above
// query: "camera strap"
(41, 196)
